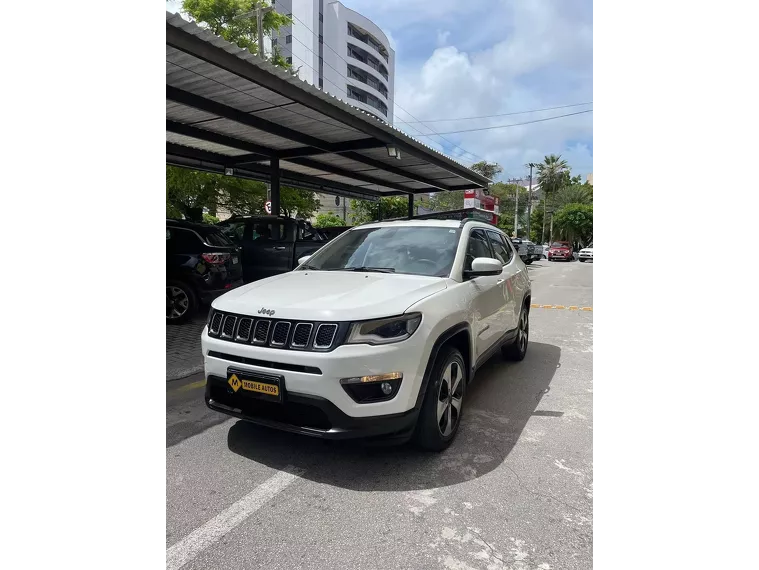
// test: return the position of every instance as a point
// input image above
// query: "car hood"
(330, 295)
(587, 250)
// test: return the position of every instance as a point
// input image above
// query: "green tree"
(575, 194)
(553, 174)
(366, 211)
(574, 223)
(487, 169)
(328, 220)
(230, 19)
(189, 192)
(442, 201)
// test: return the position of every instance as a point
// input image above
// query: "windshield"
(404, 249)
(557, 244)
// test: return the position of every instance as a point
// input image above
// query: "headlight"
(384, 331)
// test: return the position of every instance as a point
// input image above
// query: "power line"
(513, 124)
(395, 103)
(500, 114)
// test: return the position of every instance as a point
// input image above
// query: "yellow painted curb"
(193, 386)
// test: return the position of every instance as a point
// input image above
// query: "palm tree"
(551, 177)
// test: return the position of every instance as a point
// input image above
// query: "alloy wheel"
(177, 302)
(449, 398)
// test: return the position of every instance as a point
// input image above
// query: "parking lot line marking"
(573, 307)
(587, 308)
(202, 537)
(559, 307)
(546, 307)
(192, 386)
(534, 306)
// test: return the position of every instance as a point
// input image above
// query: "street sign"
(267, 207)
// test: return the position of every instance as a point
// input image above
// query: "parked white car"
(377, 334)
(586, 253)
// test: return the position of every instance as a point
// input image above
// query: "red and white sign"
(267, 206)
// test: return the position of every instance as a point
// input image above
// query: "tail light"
(215, 258)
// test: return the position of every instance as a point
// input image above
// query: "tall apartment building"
(341, 52)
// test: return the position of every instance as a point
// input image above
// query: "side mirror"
(304, 259)
(484, 266)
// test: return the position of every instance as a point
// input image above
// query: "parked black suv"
(271, 245)
(201, 264)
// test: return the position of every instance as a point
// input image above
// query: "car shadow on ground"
(500, 401)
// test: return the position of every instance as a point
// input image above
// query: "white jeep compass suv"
(376, 335)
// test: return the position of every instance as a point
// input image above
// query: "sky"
(470, 58)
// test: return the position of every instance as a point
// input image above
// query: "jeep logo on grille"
(265, 311)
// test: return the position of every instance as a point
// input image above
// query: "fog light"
(373, 388)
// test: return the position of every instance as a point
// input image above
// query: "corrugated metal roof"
(228, 108)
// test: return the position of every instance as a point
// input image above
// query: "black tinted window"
(502, 251)
(272, 231)
(183, 241)
(477, 247)
(217, 238)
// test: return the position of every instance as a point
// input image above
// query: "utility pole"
(259, 12)
(529, 201)
(545, 203)
(515, 182)
(345, 219)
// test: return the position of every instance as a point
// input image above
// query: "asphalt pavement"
(514, 491)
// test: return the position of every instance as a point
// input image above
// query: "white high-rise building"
(341, 52)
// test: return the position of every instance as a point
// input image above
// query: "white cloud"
(540, 55)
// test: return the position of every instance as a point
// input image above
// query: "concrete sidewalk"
(183, 355)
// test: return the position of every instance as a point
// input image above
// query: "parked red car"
(560, 250)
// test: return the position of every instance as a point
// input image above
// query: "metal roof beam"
(209, 106)
(349, 174)
(188, 157)
(259, 152)
(337, 148)
(394, 169)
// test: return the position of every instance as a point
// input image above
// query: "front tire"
(440, 416)
(582, 260)
(517, 350)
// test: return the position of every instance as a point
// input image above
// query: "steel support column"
(410, 206)
(275, 208)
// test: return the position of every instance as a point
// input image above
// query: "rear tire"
(439, 418)
(181, 302)
(528, 262)
(582, 260)
(517, 350)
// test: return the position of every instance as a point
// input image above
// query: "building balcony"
(358, 53)
(367, 79)
(369, 41)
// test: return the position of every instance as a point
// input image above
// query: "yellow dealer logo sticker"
(234, 382)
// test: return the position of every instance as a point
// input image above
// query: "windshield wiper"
(369, 269)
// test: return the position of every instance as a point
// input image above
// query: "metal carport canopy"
(228, 109)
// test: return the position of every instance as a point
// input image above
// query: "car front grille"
(275, 333)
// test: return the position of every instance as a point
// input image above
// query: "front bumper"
(586, 256)
(307, 415)
(316, 376)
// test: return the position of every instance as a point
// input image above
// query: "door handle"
(280, 248)
(499, 281)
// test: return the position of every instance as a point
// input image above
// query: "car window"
(501, 250)
(271, 231)
(217, 238)
(477, 247)
(183, 241)
(234, 230)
